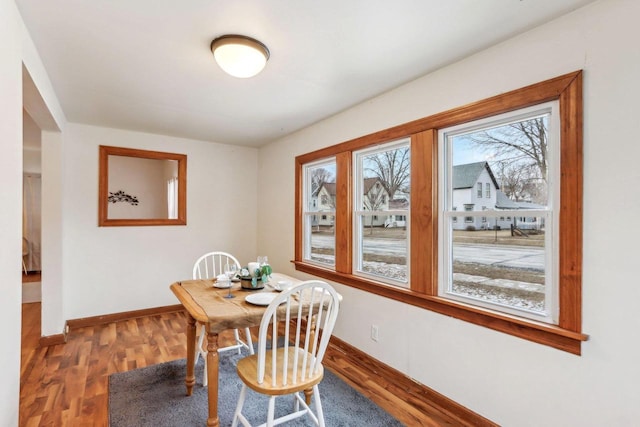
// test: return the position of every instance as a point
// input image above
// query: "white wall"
(510, 380)
(143, 179)
(31, 138)
(52, 320)
(19, 58)
(114, 269)
(31, 160)
(10, 210)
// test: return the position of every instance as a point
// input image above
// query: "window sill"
(542, 333)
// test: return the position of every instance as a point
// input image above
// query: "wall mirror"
(140, 187)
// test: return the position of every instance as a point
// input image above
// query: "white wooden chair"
(209, 266)
(300, 322)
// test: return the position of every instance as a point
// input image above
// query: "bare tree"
(520, 151)
(522, 182)
(523, 142)
(320, 176)
(374, 199)
(392, 168)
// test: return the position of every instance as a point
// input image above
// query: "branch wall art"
(121, 196)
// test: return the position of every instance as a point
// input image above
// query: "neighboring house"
(475, 188)
(375, 198)
(324, 201)
(399, 202)
(504, 203)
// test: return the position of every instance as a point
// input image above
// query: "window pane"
(320, 188)
(384, 248)
(320, 206)
(517, 158)
(499, 255)
(504, 265)
(381, 207)
(322, 239)
(384, 179)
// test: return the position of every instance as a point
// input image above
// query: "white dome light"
(240, 56)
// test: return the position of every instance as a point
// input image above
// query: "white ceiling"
(146, 65)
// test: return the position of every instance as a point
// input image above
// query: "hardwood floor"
(33, 276)
(67, 385)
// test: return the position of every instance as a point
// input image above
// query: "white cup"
(284, 285)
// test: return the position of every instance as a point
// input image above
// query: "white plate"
(221, 285)
(261, 298)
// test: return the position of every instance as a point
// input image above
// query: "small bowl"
(282, 285)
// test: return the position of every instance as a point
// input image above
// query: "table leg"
(191, 354)
(212, 377)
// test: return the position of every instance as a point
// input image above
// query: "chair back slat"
(211, 264)
(296, 354)
(274, 346)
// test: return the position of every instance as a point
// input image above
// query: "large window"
(511, 263)
(506, 267)
(381, 202)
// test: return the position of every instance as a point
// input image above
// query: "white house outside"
(324, 201)
(400, 202)
(476, 189)
(376, 198)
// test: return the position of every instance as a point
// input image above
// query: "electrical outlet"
(374, 333)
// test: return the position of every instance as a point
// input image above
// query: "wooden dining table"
(206, 304)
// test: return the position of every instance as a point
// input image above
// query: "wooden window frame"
(423, 288)
(548, 312)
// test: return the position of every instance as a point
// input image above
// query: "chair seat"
(247, 368)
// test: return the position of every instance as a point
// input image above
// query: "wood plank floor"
(32, 276)
(67, 385)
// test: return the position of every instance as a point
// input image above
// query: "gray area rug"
(155, 396)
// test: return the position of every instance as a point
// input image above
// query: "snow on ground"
(510, 293)
(497, 295)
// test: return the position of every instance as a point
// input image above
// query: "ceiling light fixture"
(240, 56)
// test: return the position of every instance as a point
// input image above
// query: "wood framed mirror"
(140, 187)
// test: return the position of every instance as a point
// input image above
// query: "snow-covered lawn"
(510, 293)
